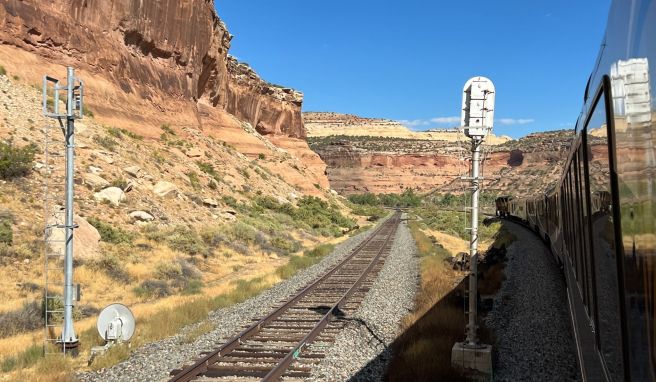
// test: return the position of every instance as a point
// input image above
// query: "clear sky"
(408, 60)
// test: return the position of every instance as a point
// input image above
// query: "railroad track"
(288, 342)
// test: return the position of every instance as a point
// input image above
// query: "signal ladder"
(54, 212)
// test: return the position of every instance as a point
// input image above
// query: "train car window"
(587, 250)
(579, 240)
(603, 242)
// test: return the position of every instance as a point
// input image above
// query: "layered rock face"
(149, 63)
(164, 49)
(363, 163)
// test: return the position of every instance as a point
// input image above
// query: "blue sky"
(409, 60)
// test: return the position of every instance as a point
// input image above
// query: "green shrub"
(209, 170)
(120, 183)
(29, 317)
(167, 129)
(152, 289)
(6, 231)
(87, 112)
(15, 162)
(261, 156)
(193, 179)
(230, 201)
(111, 265)
(168, 271)
(310, 258)
(109, 233)
(186, 240)
(114, 132)
(105, 142)
(193, 287)
(25, 359)
(3, 71)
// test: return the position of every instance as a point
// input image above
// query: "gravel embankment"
(154, 361)
(360, 352)
(530, 317)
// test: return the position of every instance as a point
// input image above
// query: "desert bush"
(15, 162)
(111, 265)
(6, 223)
(9, 253)
(28, 317)
(109, 233)
(120, 183)
(209, 170)
(152, 289)
(26, 358)
(285, 244)
(3, 71)
(213, 238)
(187, 240)
(240, 248)
(168, 271)
(192, 287)
(194, 180)
(166, 128)
(114, 132)
(105, 142)
(230, 201)
(242, 232)
(309, 258)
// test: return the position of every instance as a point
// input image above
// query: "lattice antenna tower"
(58, 182)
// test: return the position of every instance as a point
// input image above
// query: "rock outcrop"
(148, 64)
(363, 163)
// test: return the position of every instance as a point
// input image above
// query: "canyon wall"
(151, 63)
(359, 162)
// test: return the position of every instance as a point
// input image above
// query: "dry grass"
(423, 350)
(203, 328)
(166, 320)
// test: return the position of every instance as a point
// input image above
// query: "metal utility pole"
(74, 101)
(477, 121)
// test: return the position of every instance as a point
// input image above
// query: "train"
(599, 218)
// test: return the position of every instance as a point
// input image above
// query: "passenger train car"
(600, 218)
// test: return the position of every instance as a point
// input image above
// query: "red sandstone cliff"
(358, 164)
(148, 63)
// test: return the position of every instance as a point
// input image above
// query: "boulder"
(141, 216)
(133, 171)
(114, 195)
(165, 189)
(94, 169)
(211, 202)
(86, 238)
(229, 211)
(195, 153)
(227, 216)
(107, 157)
(95, 181)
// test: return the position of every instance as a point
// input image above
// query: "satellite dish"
(116, 323)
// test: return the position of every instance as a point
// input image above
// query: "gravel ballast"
(530, 316)
(360, 351)
(154, 361)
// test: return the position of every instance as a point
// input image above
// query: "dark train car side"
(599, 220)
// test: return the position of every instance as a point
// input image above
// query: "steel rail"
(282, 366)
(201, 366)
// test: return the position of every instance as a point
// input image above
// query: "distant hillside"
(324, 124)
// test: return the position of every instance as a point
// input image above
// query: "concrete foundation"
(477, 358)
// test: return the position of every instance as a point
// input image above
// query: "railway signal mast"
(55, 261)
(477, 120)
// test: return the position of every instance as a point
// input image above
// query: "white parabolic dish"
(116, 316)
